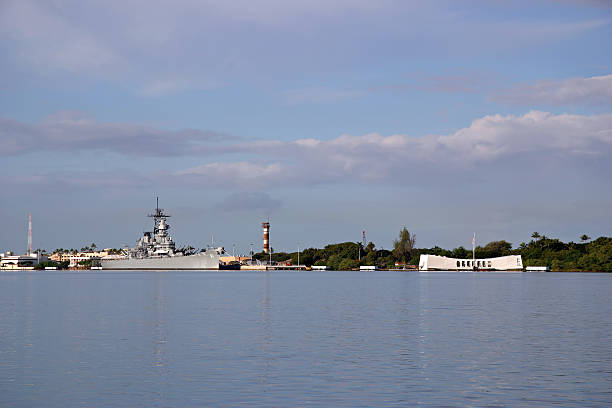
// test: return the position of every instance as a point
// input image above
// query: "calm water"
(284, 339)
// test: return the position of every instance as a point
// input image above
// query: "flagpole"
(474, 250)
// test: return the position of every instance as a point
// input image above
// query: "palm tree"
(585, 238)
(535, 235)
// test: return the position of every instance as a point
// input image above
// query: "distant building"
(67, 256)
(537, 269)
(73, 259)
(240, 259)
(10, 261)
(28, 261)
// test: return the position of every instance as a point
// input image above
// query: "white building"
(537, 269)
(442, 263)
(10, 261)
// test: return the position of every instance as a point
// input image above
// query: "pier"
(273, 268)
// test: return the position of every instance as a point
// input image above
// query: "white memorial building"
(442, 263)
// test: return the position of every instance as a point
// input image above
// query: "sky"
(327, 118)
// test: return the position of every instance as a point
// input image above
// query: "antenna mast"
(30, 235)
(158, 215)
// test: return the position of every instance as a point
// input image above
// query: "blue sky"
(330, 118)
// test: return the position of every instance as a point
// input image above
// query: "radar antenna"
(157, 216)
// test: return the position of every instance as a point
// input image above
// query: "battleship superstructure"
(157, 250)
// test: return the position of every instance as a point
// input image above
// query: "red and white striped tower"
(266, 237)
(30, 235)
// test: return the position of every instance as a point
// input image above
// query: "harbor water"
(312, 339)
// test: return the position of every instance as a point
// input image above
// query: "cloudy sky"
(329, 118)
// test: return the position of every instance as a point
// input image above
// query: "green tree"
(496, 248)
(333, 262)
(460, 253)
(403, 245)
(348, 264)
(370, 258)
(585, 238)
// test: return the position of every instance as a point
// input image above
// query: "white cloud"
(493, 136)
(248, 201)
(74, 131)
(68, 181)
(487, 138)
(229, 174)
(595, 90)
(375, 158)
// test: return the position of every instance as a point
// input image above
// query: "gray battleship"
(156, 251)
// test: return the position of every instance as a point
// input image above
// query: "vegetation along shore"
(586, 255)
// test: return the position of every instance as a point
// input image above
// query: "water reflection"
(265, 331)
(160, 329)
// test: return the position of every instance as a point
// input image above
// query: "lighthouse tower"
(266, 237)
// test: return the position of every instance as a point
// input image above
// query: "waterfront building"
(11, 261)
(73, 259)
(234, 259)
(69, 257)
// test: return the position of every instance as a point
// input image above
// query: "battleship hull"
(201, 261)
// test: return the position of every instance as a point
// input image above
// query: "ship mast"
(157, 216)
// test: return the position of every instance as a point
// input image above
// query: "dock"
(273, 268)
